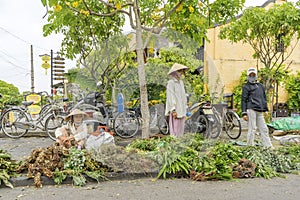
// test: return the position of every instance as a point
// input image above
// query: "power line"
(13, 64)
(8, 55)
(19, 38)
(3, 29)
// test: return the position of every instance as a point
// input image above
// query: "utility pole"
(51, 63)
(32, 70)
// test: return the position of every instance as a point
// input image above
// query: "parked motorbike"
(202, 119)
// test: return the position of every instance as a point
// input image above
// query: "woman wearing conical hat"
(74, 133)
(176, 101)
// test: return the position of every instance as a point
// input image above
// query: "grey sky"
(21, 25)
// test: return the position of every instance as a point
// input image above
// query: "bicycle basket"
(229, 100)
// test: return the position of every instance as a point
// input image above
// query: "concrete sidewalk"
(20, 148)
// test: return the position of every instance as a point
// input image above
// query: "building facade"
(225, 61)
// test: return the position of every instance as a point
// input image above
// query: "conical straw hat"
(177, 67)
(76, 112)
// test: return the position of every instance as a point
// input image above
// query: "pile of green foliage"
(7, 168)
(215, 159)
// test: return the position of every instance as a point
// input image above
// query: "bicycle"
(16, 121)
(58, 104)
(94, 106)
(230, 120)
(127, 123)
(201, 119)
(101, 114)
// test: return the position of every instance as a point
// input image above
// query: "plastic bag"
(94, 142)
(286, 123)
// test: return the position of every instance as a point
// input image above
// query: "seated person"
(74, 133)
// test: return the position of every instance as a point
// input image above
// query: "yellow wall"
(225, 61)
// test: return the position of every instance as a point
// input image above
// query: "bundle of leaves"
(216, 162)
(58, 162)
(77, 164)
(179, 156)
(272, 162)
(292, 151)
(171, 159)
(7, 168)
(149, 144)
(118, 159)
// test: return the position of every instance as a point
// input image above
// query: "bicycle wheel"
(163, 125)
(52, 123)
(126, 124)
(232, 125)
(203, 127)
(15, 123)
(214, 123)
(192, 126)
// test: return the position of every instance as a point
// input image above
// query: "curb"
(24, 181)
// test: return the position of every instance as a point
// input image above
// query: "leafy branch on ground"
(7, 168)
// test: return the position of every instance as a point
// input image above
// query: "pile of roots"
(244, 169)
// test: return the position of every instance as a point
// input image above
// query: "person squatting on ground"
(176, 101)
(254, 105)
(74, 133)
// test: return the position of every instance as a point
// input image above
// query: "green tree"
(108, 61)
(168, 56)
(270, 33)
(10, 94)
(87, 22)
(156, 71)
(292, 85)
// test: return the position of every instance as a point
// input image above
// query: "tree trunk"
(142, 75)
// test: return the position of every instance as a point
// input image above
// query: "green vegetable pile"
(7, 168)
(202, 159)
(77, 164)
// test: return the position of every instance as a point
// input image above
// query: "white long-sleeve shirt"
(79, 133)
(176, 98)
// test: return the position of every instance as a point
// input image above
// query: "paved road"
(177, 189)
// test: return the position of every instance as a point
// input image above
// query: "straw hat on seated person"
(77, 112)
